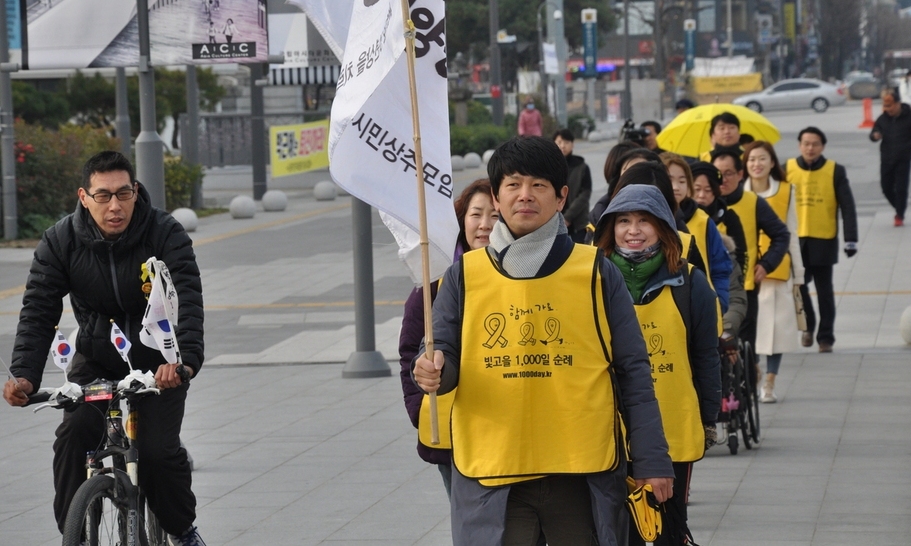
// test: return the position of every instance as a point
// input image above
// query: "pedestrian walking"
(755, 216)
(776, 321)
(543, 364)
(579, 183)
(724, 132)
(718, 264)
(229, 30)
(892, 129)
(476, 216)
(707, 194)
(530, 121)
(823, 193)
(212, 32)
(676, 309)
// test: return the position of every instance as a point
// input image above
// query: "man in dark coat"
(893, 130)
(822, 190)
(96, 255)
(580, 187)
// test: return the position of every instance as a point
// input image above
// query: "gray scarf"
(526, 254)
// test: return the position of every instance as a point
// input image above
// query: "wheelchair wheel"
(752, 397)
(732, 444)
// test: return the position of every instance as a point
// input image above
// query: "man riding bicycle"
(97, 256)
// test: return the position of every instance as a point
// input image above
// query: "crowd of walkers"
(577, 347)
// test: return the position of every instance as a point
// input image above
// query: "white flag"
(331, 18)
(161, 313)
(121, 341)
(371, 133)
(62, 351)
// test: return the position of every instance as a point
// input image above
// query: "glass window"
(706, 18)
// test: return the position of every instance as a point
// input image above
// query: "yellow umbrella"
(688, 133)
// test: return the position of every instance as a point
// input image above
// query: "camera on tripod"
(630, 133)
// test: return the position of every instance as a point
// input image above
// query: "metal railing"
(225, 139)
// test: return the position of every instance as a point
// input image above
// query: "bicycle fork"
(126, 482)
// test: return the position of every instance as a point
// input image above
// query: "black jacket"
(895, 146)
(817, 252)
(579, 182)
(768, 222)
(721, 215)
(103, 280)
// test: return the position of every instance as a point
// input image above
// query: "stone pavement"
(288, 452)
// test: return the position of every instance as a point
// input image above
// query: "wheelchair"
(740, 397)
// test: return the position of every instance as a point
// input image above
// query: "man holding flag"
(541, 338)
(98, 256)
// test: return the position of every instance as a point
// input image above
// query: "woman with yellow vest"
(476, 216)
(718, 264)
(776, 322)
(676, 310)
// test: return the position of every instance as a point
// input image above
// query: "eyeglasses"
(729, 174)
(105, 196)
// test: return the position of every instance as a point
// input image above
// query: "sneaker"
(190, 537)
(899, 221)
(806, 339)
(825, 348)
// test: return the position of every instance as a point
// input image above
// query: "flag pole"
(422, 213)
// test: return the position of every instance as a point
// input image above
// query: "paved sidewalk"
(289, 453)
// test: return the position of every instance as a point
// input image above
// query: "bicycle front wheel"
(99, 518)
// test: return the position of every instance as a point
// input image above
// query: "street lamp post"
(556, 15)
(555, 33)
(496, 93)
(626, 106)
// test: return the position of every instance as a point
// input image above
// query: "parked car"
(795, 93)
(859, 84)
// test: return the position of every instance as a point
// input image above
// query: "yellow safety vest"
(745, 209)
(698, 225)
(779, 203)
(444, 409)
(691, 241)
(666, 340)
(535, 396)
(817, 205)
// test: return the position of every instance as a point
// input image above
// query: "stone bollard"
(325, 191)
(486, 157)
(595, 136)
(904, 325)
(472, 160)
(458, 163)
(187, 218)
(242, 206)
(275, 201)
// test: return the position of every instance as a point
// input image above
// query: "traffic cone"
(867, 123)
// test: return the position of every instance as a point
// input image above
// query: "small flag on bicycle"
(158, 326)
(62, 351)
(121, 342)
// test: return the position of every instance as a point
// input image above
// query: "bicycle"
(109, 508)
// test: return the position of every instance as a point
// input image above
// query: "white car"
(794, 94)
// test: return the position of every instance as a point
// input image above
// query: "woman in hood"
(676, 310)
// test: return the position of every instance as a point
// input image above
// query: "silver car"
(795, 93)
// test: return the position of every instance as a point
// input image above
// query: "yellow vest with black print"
(745, 209)
(779, 203)
(817, 205)
(665, 337)
(536, 393)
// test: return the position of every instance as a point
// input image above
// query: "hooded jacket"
(703, 335)
(104, 281)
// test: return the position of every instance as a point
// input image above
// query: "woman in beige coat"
(776, 330)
